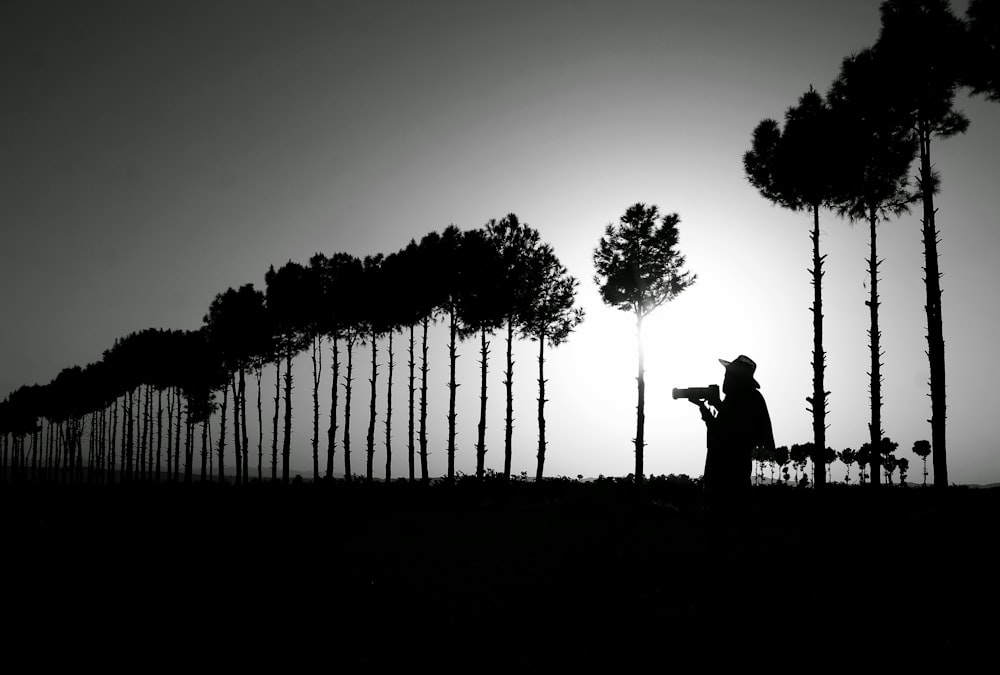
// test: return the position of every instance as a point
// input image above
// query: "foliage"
(551, 314)
(638, 265)
(922, 45)
(876, 146)
(983, 66)
(294, 304)
(794, 167)
(238, 327)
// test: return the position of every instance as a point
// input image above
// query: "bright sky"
(153, 154)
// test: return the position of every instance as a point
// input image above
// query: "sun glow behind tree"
(638, 270)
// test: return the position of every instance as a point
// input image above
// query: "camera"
(697, 393)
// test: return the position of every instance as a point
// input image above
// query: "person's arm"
(708, 415)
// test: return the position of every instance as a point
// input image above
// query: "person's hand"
(715, 402)
(706, 414)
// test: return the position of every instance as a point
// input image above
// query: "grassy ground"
(562, 575)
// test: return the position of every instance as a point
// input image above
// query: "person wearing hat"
(736, 426)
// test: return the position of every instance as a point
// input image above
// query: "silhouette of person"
(735, 426)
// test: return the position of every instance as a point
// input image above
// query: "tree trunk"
(149, 439)
(122, 473)
(317, 364)
(452, 391)
(143, 437)
(817, 402)
(61, 444)
(34, 456)
(424, 476)
(159, 432)
(103, 466)
(874, 335)
(935, 324)
(274, 420)
(260, 425)
(222, 433)
(188, 446)
(80, 423)
(331, 435)
(170, 436)
(177, 440)
(509, 384)
(348, 380)
(50, 449)
(640, 409)
(410, 447)
(369, 475)
(211, 457)
(388, 414)
(204, 450)
(541, 409)
(243, 425)
(236, 432)
(130, 448)
(91, 447)
(484, 351)
(112, 459)
(286, 446)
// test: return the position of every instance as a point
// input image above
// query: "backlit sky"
(153, 154)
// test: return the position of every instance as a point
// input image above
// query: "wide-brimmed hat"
(744, 365)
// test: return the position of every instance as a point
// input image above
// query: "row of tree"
(851, 151)
(784, 459)
(106, 420)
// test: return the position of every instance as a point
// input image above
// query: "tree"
(313, 322)
(799, 454)
(863, 458)
(877, 152)
(373, 325)
(442, 254)
(237, 327)
(848, 456)
(922, 449)
(550, 318)
(414, 306)
(983, 67)
(887, 449)
(828, 457)
(759, 456)
(396, 309)
(351, 336)
(795, 169)
(202, 373)
(639, 269)
(781, 458)
(518, 245)
(921, 44)
(291, 319)
(434, 255)
(339, 277)
(481, 309)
